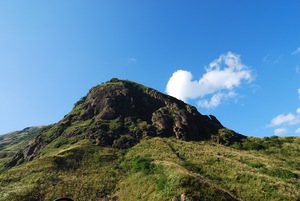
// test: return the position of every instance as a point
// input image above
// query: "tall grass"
(156, 169)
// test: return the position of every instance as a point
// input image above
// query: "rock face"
(134, 111)
(119, 113)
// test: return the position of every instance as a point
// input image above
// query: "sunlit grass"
(155, 169)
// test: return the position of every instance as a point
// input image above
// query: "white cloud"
(131, 60)
(280, 131)
(297, 51)
(297, 69)
(215, 100)
(181, 86)
(288, 119)
(278, 59)
(266, 58)
(222, 76)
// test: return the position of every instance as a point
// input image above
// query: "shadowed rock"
(119, 113)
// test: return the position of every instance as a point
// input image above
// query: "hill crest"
(119, 113)
(111, 147)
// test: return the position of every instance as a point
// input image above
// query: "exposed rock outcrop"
(119, 113)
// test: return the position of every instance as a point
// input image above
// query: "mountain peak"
(123, 139)
(139, 109)
(119, 113)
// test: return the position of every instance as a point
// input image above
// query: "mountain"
(12, 142)
(118, 114)
(125, 141)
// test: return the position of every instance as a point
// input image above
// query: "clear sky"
(238, 59)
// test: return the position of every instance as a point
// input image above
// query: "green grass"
(81, 170)
(156, 169)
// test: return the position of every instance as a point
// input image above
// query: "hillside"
(118, 114)
(12, 142)
(125, 141)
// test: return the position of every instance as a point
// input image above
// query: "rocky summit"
(119, 113)
(133, 111)
(126, 141)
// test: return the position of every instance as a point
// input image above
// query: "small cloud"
(280, 131)
(297, 51)
(289, 119)
(222, 76)
(266, 58)
(277, 60)
(298, 69)
(215, 100)
(299, 93)
(131, 60)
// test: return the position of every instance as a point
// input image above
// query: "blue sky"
(238, 60)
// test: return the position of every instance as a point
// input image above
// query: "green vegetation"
(82, 171)
(225, 136)
(12, 142)
(143, 164)
(81, 100)
(125, 141)
(157, 169)
(285, 149)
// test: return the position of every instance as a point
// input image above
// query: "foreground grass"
(79, 171)
(156, 169)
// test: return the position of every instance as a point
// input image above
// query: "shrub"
(237, 145)
(255, 164)
(80, 101)
(279, 173)
(196, 189)
(114, 80)
(253, 144)
(162, 183)
(124, 142)
(191, 167)
(225, 136)
(143, 164)
(70, 160)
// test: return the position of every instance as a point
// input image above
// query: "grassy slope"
(12, 142)
(157, 169)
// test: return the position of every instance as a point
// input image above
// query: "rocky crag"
(125, 141)
(118, 114)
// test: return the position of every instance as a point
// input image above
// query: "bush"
(114, 80)
(255, 164)
(162, 183)
(124, 142)
(225, 136)
(279, 173)
(143, 164)
(80, 101)
(70, 160)
(191, 167)
(252, 143)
